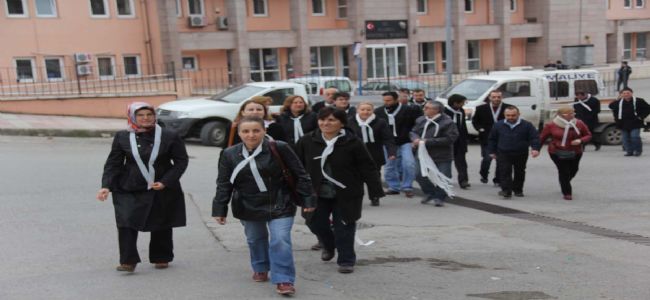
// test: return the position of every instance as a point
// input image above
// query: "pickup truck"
(537, 94)
(210, 118)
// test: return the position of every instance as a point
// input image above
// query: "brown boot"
(285, 289)
(125, 268)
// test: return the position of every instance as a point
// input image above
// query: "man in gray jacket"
(437, 132)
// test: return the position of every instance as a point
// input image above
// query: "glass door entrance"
(386, 61)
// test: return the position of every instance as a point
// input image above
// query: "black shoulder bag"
(286, 174)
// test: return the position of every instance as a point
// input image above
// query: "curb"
(87, 133)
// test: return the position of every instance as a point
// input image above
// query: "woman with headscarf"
(375, 134)
(251, 176)
(143, 172)
(256, 107)
(339, 165)
(296, 119)
(568, 135)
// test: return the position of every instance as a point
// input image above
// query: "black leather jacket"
(248, 203)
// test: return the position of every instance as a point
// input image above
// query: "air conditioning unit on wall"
(222, 23)
(84, 70)
(82, 58)
(196, 21)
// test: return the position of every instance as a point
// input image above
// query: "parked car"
(209, 118)
(379, 87)
(317, 84)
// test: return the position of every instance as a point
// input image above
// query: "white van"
(537, 94)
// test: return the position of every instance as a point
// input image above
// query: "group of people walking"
(316, 161)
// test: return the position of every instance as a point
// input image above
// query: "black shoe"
(374, 202)
(484, 180)
(391, 192)
(597, 147)
(438, 203)
(326, 255)
(346, 269)
(426, 199)
(628, 154)
(505, 195)
(464, 185)
(316, 246)
(637, 153)
(519, 194)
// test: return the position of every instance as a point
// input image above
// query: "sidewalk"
(39, 125)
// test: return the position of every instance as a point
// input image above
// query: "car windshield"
(470, 88)
(237, 94)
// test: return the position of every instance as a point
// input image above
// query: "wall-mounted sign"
(388, 29)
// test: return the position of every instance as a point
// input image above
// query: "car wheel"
(611, 136)
(214, 133)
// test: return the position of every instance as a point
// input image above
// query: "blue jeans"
(427, 186)
(632, 140)
(275, 256)
(404, 164)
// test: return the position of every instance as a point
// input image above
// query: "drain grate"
(571, 225)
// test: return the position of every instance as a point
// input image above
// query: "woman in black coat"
(296, 119)
(375, 134)
(256, 107)
(250, 174)
(143, 172)
(339, 165)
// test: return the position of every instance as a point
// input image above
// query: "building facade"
(262, 40)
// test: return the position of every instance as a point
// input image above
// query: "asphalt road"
(58, 242)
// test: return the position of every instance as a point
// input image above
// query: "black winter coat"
(504, 139)
(309, 123)
(135, 206)
(351, 165)
(404, 120)
(383, 138)
(630, 120)
(248, 203)
(590, 118)
(483, 121)
(460, 145)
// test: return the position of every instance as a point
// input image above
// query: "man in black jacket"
(455, 111)
(623, 75)
(508, 143)
(630, 113)
(419, 98)
(484, 118)
(328, 94)
(587, 108)
(401, 119)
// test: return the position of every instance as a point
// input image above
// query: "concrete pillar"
(301, 57)
(503, 55)
(413, 41)
(356, 22)
(170, 50)
(240, 57)
(459, 43)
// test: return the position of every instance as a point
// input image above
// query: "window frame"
(340, 6)
(319, 68)
(627, 52)
(323, 7)
(33, 65)
(179, 9)
(137, 65)
(477, 59)
(425, 5)
(421, 63)
(266, 8)
(25, 13)
(629, 4)
(189, 12)
(513, 5)
(61, 68)
(262, 70)
(636, 4)
(471, 4)
(54, 14)
(107, 11)
(129, 16)
(106, 77)
(194, 58)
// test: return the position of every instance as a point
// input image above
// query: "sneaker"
(409, 194)
(316, 246)
(126, 268)
(260, 276)
(505, 195)
(346, 269)
(374, 202)
(326, 255)
(161, 265)
(484, 180)
(519, 194)
(391, 192)
(285, 289)
(568, 197)
(464, 185)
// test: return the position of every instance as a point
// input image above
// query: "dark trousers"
(595, 137)
(340, 238)
(161, 246)
(566, 169)
(486, 161)
(460, 162)
(506, 164)
(621, 81)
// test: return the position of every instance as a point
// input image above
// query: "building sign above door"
(388, 29)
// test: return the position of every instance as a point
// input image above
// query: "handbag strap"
(276, 154)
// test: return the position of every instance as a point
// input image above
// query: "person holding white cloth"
(436, 132)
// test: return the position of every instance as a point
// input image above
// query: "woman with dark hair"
(251, 175)
(296, 119)
(256, 108)
(375, 134)
(339, 165)
(143, 172)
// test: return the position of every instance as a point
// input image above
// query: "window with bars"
(98, 8)
(260, 8)
(16, 8)
(106, 67)
(421, 7)
(317, 7)
(469, 6)
(54, 68)
(131, 65)
(25, 69)
(195, 7)
(124, 8)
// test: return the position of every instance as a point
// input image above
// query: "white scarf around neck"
(297, 128)
(567, 125)
(620, 107)
(148, 172)
(582, 102)
(367, 133)
(391, 118)
(457, 114)
(250, 160)
(431, 121)
(495, 114)
(329, 148)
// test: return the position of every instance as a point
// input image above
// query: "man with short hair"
(342, 102)
(629, 114)
(419, 98)
(623, 75)
(484, 118)
(587, 108)
(328, 95)
(509, 141)
(400, 119)
(455, 111)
